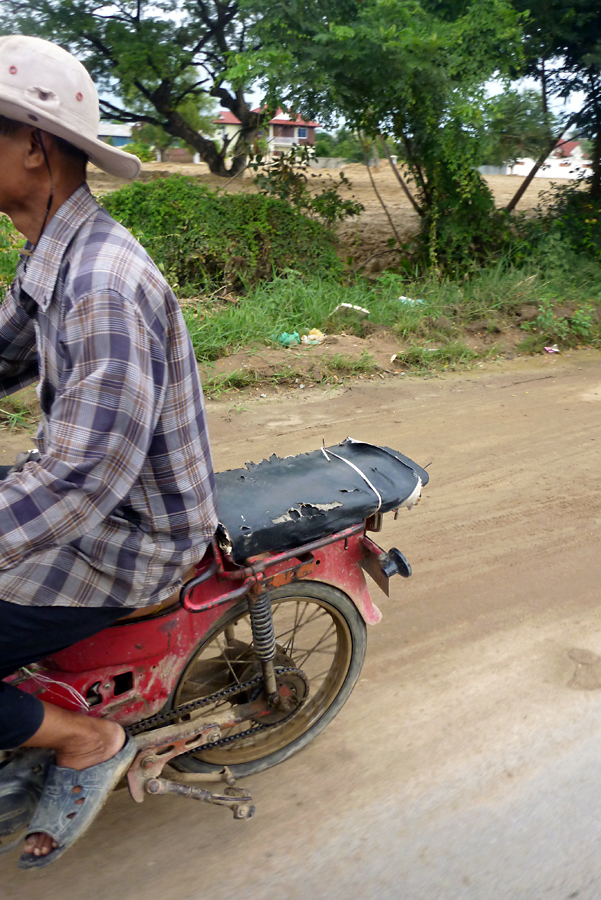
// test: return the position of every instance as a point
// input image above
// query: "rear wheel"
(319, 630)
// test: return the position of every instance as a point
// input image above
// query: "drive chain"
(160, 720)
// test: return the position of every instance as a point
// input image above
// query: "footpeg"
(236, 799)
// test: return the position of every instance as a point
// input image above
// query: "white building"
(280, 133)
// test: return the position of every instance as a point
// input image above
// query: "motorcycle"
(257, 651)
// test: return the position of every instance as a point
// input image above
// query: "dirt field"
(485, 671)
(364, 236)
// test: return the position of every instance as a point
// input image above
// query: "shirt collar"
(42, 267)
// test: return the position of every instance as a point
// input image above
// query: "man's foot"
(101, 740)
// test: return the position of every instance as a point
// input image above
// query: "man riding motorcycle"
(119, 501)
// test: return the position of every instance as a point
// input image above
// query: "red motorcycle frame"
(130, 670)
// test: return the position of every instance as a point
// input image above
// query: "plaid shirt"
(122, 501)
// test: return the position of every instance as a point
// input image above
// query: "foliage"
(550, 327)
(287, 303)
(565, 230)
(10, 242)
(430, 329)
(156, 59)
(141, 150)
(199, 112)
(563, 52)
(404, 70)
(343, 143)
(202, 239)
(287, 177)
(516, 125)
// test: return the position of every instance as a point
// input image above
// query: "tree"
(563, 50)
(155, 58)
(343, 143)
(400, 69)
(516, 124)
(198, 111)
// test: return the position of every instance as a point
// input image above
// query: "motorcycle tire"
(329, 622)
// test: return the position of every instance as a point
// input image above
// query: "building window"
(302, 132)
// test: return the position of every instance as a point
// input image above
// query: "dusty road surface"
(467, 763)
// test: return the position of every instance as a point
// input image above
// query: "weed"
(15, 415)
(351, 365)
(551, 327)
(428, 359)
(240, 379)
(286, 177)
(10, 243)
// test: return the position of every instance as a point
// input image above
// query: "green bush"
(203, 239)
(565, 231)
(141, 150)
(10, 241)
(287, 178)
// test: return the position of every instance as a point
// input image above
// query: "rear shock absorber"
(263, 631)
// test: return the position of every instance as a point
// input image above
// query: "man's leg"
(80, 741)
(28, 634)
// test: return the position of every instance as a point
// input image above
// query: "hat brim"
(109, 159)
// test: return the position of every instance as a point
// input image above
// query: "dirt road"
(466, 764)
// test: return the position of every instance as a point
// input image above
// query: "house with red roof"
(568, 159)
(281, 133)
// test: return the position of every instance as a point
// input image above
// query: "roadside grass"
(330, 370)
(555, 306)
(343, 364)
(20, 410)
(239, 379)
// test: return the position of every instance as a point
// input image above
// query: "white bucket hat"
(44, 86)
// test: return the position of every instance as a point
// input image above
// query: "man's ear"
(33, 151)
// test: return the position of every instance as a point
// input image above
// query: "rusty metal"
(375, 522)
(158, 747)
(303, 569)
(224, 775)
(260, 565)
(372, 564)
(236, 799)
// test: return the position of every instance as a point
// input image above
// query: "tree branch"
(377, 193)
(114, 112)
(539, 162)
(400, 180)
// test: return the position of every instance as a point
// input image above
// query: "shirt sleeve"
(18, 358)
(99, 430)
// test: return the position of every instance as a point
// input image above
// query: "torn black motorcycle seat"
(282, 503)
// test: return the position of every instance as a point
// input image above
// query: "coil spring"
(263, 631)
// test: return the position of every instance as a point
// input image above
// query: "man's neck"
(33, 218)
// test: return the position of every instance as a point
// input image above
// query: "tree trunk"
(205, 147)
(406, 190)
(539, 162)
(595, 189)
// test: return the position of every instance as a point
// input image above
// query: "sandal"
(22, 779)
(71, 800)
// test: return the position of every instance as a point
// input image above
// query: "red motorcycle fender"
(340, 565)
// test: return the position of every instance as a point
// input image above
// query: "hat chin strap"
(51, 196)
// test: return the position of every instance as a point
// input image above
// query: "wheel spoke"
(308, 653)
(288, 649)
(295, 628)
(229, 665)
